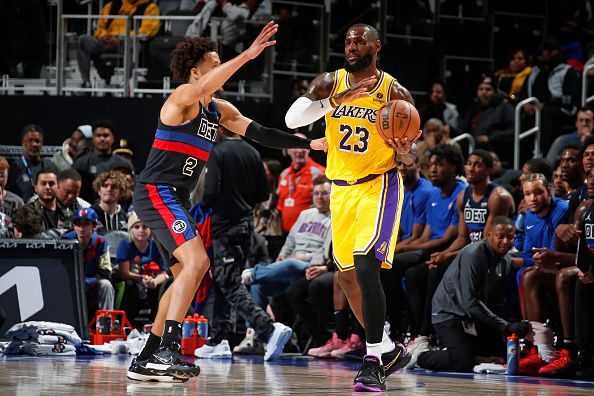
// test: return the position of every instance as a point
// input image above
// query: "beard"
(361, 64)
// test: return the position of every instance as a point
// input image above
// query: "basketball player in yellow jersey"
(367, 190)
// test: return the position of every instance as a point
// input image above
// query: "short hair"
(365, 26)
(69, 174)
(43, 171)
(104, 123)
(577, 145)
(451, 154)
(588, 142)
(118, 179)
(31, 128)
(537, 176)
(584, 109)
(188, 53)
(320, 180)
(433, 121)
(4, 163)
(28, 219)
(502, 220)
(541, 165)
(485, 155)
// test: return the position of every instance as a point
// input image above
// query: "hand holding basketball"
(398, 123)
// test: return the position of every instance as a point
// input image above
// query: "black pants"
(421, 283)
(584, 315)
(392, 283)
(230, 254)
(461, 347)
(312, 300)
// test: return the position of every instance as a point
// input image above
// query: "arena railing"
(585, 98)
(535, 130)
(465, 136)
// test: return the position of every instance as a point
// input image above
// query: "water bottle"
(513, 354)
(188, 327)
(202, 327)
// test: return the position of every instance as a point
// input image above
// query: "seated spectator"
(307, 246)
(445, 164)
(75, 146)
(477, 205)
(96, 258)
(23, 171)
(434, 133)
(10, 201)
(491, 119)
(584, 123)
(108, 35)
(45, 201)
(464, 305)
(559, 185)
(69, 185)
(572, 171)
(141, 266)
(295, 185)
(111, 187)
(100, 155)
(412, 223)
(557, 87)
(28, 222)
(438, 107)
(511, 79)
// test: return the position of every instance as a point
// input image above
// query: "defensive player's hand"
(356, 91)
(319, 144)
(261, 42)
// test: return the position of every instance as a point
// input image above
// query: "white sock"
(546, 352)
(387, 343)
(375, 350)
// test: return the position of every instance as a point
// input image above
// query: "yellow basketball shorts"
(366, 216)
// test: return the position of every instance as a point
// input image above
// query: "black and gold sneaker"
(396, 359)
(371, 377)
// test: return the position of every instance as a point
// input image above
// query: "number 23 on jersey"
(354, 139)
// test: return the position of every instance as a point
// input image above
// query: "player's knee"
(529, 278)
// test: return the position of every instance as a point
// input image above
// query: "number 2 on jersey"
(361, 146)
(189, 166)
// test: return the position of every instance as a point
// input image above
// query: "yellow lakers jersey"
(355, 149)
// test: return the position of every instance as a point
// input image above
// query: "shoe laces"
(370, 369)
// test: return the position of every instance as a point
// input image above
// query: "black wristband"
(275, 138)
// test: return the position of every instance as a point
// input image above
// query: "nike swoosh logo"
(530, 226)
(433, 203)
(387, 366)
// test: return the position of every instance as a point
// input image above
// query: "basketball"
(398, 119)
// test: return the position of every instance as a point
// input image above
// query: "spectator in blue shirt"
(96, 257)
(140, 265)
(445, 164)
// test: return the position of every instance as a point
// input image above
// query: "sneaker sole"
(154, 378)
(359, 387)
(283, 338)
(175, 371)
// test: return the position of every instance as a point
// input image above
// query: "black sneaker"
(396, 359)
(168, 360)
(138, 372)
(371, 377)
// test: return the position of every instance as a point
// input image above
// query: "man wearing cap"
(74, 147)
(491, 119)
(96, 257)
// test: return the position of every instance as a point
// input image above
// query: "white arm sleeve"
(304, 112)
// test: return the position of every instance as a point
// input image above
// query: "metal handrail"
(465, 136)
(518, 136)
(586, 100)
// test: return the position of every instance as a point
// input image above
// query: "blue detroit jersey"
(442, 211)
(414, 207)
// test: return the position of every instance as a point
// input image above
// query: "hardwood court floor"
(291, 375)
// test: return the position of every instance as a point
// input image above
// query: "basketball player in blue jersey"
(367, 191)
(477, 204)
(187, 128)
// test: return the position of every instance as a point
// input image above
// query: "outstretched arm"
(188, 94)
(236, 122)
